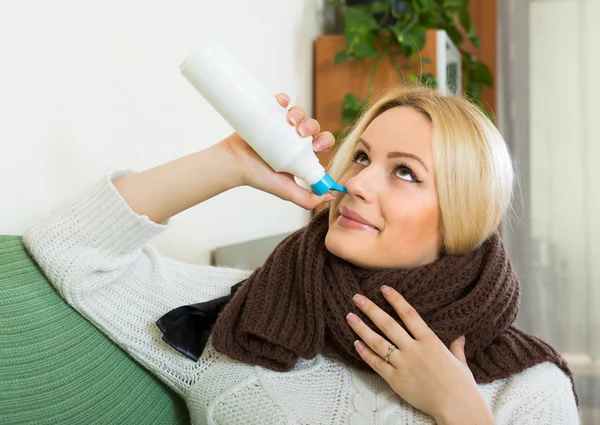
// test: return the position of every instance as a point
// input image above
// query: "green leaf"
(356, 20)
(455, 35)
(428, 80)
(474, 39)
(411, 40)
(352, 106)
(425, 79)
(475, 90)
(408, 25)
(423, 6)
(337, 135)
(465, 21)
(342, 57)
(398, 34)
(379, 7)
(479, 73)
(467, 58)
(365, 49)
(361, 31)
(417, 36)
(455, 4)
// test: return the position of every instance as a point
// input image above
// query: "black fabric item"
(187, 328)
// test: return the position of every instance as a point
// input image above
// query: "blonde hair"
(474, 172)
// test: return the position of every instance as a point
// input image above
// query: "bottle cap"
(326, 184)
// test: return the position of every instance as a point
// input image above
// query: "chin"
(345, 247)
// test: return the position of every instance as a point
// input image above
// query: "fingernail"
(358, 299)
(294, 120)
(303, 131)
(359, 345)
(462, 340)
(351, 318)
(386, 290)
(318, 145)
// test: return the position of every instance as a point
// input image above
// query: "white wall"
(87, 86)
(565, 152)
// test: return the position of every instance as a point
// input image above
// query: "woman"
(327, 331)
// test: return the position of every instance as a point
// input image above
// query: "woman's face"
(391, 216)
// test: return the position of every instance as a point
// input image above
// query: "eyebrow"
(396, 154)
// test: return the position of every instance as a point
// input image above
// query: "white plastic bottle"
(255, 114)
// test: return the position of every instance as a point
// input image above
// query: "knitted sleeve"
(95, 251)
(542, 395)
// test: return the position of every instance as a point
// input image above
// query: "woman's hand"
(257, 173)
(421, 369)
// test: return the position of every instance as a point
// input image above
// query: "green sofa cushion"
(57, 368)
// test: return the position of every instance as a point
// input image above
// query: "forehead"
(401, 129)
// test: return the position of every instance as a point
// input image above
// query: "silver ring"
(390, 351)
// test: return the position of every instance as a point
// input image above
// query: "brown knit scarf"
(296, 303)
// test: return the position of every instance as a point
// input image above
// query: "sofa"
(57, 368)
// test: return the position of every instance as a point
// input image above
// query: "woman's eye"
(361, 158)
(405, 174)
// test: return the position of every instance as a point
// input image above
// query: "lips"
(355, 217)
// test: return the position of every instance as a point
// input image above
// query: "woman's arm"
(168, 189)
(95, 249)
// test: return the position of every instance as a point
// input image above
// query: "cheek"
(415, 221)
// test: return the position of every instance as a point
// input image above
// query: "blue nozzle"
(326, 184)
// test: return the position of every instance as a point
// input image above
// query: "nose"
(363, 185)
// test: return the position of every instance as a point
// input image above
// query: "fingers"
(409, 316)
(311, 127)
(377, 363)
(458, 349)
(323, 141)
(296, 115)
(291, 191)
(306, 126)
(384, 322)
(376, 342)
(309, 200)
(283, 99)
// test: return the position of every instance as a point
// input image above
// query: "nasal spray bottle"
(255, 114)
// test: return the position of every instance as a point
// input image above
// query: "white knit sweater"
(95, 250)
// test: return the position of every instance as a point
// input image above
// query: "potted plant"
(382, 30)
